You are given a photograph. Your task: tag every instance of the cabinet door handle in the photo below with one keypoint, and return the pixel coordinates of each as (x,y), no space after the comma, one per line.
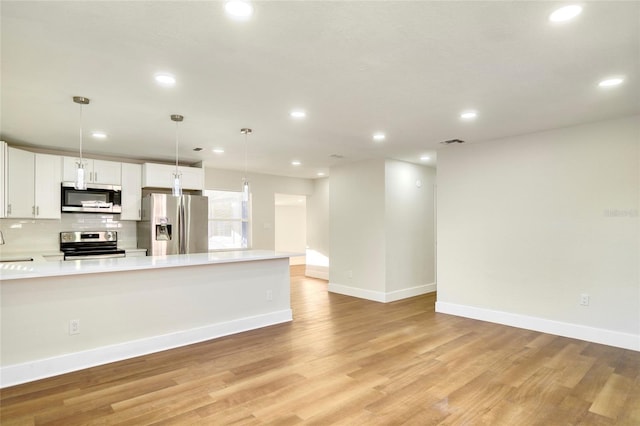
(95,176)
(37,210)
(8,208)
(33,210)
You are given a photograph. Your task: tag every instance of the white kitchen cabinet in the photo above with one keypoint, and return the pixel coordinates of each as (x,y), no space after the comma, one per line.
(33,184)
(161,176)
(131,191)
(48,177)
(3,179)
(20,183)
(96,171)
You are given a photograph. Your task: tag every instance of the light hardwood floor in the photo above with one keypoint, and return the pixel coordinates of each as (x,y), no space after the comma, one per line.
(352,362)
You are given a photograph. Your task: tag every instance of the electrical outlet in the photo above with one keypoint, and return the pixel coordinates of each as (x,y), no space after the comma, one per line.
(74,326)
(269,295)
(584,299)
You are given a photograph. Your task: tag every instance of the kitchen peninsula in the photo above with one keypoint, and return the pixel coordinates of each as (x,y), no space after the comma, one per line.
(58,317)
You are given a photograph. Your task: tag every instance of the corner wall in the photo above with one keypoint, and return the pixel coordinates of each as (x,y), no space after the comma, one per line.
(318,230)
(357,236)
(528,224)
(382,230)
(409,228)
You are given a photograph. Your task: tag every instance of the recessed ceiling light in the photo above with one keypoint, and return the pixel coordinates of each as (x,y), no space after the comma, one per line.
(610,82)
(164,79)
(565,13)
(99,135)
(298,113)
(239,9)
(379,136)
(425,158)
(295,163)
(218,150)
(468,115)
(320,174)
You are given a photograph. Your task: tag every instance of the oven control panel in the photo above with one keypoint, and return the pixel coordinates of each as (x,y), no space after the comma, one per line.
(88,236)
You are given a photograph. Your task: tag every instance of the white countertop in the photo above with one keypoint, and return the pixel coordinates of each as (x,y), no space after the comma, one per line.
(39,269)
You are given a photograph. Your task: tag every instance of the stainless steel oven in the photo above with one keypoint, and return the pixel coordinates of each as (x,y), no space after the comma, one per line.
(80,245)
(96,198)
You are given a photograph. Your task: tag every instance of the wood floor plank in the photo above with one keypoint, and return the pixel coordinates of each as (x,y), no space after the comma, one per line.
(612,397)
(348,361)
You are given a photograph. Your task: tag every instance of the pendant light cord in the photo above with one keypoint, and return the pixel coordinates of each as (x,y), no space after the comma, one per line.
(81,136)
(245,156)
(176,148)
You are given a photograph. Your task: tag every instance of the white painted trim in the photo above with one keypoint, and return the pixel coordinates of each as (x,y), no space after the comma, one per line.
(379,296)
(376,296)
(39,369)
(317,271)
(575,331)
(405,293)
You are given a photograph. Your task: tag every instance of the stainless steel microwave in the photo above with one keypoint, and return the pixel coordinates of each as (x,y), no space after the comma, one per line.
(97,198)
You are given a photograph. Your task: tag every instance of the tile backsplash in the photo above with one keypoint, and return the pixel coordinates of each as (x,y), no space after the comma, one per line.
(43,236)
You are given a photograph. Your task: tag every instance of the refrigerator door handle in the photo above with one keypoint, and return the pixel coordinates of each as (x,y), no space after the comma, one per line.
(182,226)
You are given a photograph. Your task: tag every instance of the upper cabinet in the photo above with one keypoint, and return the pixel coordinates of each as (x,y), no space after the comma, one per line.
(96,171)
(33,185)
(131,191)
(3,179)
(161,176)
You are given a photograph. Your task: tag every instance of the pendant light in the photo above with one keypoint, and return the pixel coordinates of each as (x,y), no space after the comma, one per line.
(245,181)
(80,182)
(177,184)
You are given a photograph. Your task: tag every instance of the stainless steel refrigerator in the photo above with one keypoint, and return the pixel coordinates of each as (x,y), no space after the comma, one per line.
(174,225)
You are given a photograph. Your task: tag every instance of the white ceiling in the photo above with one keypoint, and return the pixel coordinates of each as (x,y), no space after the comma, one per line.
(405,68)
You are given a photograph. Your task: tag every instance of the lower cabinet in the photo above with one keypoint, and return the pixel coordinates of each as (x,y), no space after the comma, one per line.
(135,252)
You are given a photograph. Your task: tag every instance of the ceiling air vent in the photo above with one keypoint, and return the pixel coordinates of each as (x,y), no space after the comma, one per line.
(336,156)
(450,141)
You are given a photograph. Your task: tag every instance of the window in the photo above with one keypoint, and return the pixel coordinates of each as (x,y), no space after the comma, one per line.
(228,220)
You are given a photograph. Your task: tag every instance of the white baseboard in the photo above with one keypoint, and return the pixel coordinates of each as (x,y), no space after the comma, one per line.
(379,296)
(410,292)
(575,331)
(316,271)
(39,369)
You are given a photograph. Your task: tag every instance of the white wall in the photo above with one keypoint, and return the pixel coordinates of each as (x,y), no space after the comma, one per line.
(318,230)
(263,190)
(409,225)
(527,224)
(356,214)
(382,230)
(291,231)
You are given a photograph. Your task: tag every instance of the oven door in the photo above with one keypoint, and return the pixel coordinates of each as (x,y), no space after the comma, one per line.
(94,199)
